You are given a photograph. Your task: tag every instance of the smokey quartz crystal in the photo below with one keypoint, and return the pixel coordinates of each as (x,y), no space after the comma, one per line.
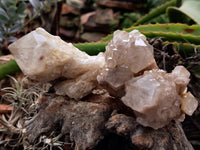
(127,55)
(130,72)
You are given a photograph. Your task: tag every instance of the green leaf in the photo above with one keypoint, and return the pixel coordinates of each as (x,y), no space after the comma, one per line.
(155,12)
(3,13)
(11,2)
(11,39)
(21,8)
(36,4)
(1,37)
(3,4)
(189,10)
(12,11)
(15,28)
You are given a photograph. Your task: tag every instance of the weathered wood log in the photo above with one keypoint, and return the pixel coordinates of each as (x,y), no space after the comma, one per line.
(82,121)
(170,137)
(86,123)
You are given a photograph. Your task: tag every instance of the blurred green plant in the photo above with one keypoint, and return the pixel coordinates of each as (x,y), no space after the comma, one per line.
(40,6)
(151,4)
(128,19)
(12,15)
(188,12)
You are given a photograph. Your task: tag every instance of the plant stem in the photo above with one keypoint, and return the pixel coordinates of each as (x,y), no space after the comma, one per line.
(9,68)
(155,12)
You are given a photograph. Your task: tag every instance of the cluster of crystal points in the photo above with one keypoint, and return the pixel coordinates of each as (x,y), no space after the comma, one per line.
(127,70)
(127,55)
(131,73)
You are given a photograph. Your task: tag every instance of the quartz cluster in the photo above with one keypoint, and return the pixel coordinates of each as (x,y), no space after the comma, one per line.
(157,96)
(127,70)
(131,73)
(127,55)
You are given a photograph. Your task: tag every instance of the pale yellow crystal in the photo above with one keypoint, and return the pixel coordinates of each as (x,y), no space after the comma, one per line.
(189,104)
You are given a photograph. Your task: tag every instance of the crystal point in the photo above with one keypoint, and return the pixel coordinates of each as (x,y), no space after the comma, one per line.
(45,57)
(126,55)
(189,104)
(154,99)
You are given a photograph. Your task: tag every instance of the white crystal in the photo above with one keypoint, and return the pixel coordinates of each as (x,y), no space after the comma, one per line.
(180,76)
(45,57)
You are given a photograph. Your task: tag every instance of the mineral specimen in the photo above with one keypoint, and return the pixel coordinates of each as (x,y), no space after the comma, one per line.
(45,57)
(189,104)
(130,72)
(127,55)
(157,96)
(154,98)
(127,70)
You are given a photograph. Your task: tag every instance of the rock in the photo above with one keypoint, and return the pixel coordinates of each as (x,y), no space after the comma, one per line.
(128,4)
(127,55)
(66,9)
(78,88)
(92,36)
(84,18)
(67,33)
(91,25)
(104,16)
(45,57)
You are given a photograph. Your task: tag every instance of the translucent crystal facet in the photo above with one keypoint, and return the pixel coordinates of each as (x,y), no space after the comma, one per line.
(45,57)
(127,54)
(189,104)
(154,99)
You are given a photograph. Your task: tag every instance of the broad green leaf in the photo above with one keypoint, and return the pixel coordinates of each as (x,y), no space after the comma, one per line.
(11,2)
(3,4)
(3,13)
(36,4)
(3,16)
(2,28)
(12,11)
(189,10)
(11,39)
(15,28)
(21,8)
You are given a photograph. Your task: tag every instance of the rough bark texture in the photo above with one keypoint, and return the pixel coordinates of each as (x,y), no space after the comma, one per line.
(82,121)
(87,123)
(170,137)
